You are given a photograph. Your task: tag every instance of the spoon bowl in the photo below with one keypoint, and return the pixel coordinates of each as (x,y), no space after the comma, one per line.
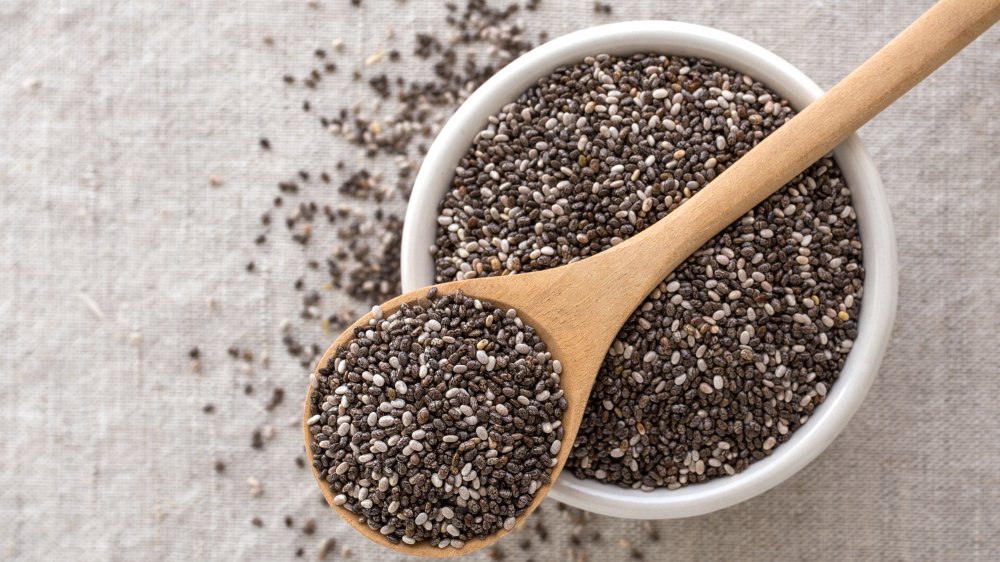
(567,343)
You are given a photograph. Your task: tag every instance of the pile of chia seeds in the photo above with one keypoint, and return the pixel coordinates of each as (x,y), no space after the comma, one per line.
(438,422)
(732,352)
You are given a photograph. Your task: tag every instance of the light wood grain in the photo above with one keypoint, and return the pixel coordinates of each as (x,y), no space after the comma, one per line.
(579,308)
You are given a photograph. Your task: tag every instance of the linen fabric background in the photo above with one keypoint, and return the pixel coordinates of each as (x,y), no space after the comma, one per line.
(114,114)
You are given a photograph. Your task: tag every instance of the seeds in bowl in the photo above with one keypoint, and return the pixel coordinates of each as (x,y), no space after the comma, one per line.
(733,351)
(438,422)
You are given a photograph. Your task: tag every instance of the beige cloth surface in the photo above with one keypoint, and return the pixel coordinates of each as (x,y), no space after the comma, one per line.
(111,242)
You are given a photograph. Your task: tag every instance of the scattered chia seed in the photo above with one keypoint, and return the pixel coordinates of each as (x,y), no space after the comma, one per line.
(732,352)
(327,547)
(541,531)
(424,438)
(653,532)
(277,397)
(255,488)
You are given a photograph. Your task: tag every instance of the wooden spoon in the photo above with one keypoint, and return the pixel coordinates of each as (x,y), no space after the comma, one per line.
(578,309)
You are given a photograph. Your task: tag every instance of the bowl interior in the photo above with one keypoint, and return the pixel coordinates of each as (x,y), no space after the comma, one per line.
(878,304)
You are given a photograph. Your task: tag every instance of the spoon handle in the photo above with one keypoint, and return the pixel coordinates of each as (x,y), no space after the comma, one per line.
(928,42)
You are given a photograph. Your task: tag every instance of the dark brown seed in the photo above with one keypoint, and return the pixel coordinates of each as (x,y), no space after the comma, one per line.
(277,397)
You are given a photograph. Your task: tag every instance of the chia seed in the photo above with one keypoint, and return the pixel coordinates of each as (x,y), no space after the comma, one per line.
(408,431)
(733,351)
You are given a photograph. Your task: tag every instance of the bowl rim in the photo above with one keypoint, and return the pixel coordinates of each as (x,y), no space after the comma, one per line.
(868,197)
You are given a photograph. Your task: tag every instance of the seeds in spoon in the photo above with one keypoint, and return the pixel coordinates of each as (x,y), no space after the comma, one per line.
(424,440)
(731,353)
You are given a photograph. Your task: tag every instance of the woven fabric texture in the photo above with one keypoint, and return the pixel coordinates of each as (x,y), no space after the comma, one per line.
(114,114)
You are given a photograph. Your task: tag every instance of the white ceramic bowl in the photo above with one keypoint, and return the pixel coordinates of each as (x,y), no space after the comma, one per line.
(878,306)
